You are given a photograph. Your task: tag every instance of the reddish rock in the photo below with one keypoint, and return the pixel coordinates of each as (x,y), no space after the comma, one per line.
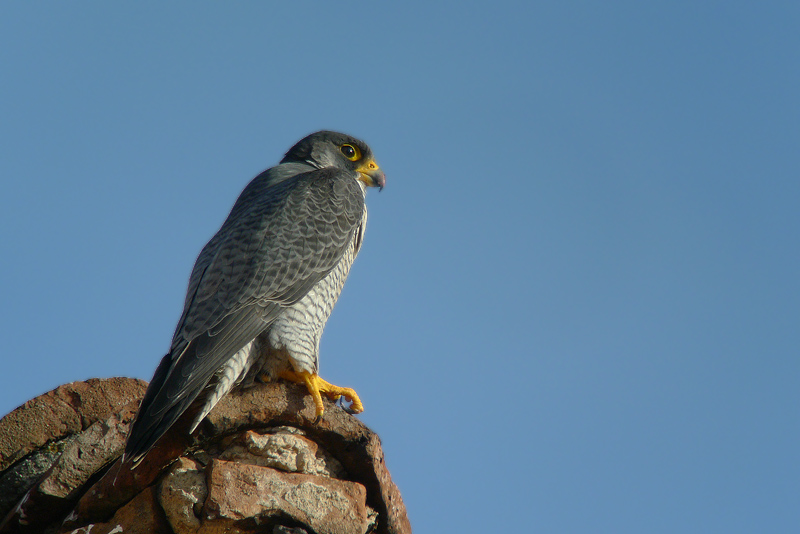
(349,440)
(66,410)
(243,493)
(56,492)
(140,516)
(95,447)
(85,453)
(337,479)
(121,483)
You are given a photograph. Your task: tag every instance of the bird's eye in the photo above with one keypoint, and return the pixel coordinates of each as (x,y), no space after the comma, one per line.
(350,152)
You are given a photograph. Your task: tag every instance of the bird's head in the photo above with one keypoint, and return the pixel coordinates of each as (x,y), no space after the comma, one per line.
(332,149)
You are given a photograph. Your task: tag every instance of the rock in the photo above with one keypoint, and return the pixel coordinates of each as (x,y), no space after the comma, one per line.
(86,454)
(94,448)
(240,492)
(140,516)
(285,451)
(354,445)
(259,463)
(23,475)
(182,493)
(66,410)
(121,483)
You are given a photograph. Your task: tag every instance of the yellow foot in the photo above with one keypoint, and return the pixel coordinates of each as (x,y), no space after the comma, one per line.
(316,386)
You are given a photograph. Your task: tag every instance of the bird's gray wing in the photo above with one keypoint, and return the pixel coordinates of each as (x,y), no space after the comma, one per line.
(277,243)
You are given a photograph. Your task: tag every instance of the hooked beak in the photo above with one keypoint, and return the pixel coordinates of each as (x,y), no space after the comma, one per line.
(372,175)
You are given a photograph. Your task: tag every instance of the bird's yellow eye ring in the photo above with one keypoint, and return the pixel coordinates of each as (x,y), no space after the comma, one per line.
(351,152)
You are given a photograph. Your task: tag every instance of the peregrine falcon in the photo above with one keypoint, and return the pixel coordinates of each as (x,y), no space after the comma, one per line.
(263,287)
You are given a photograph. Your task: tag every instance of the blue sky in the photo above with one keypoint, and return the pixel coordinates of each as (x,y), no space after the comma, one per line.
(576,309)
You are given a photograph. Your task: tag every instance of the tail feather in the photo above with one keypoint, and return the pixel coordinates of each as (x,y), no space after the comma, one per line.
(157,412)
(186,371)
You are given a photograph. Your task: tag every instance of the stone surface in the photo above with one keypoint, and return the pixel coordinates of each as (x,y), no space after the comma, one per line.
(332,476)
(121,483)
(140,516)
(20,477)
(66,410)
(94,448)
(239,492)
(354,445)
(286,451)
(182,493)
(57,490)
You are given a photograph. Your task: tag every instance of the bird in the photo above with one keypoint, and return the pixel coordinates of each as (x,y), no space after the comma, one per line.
(263,287)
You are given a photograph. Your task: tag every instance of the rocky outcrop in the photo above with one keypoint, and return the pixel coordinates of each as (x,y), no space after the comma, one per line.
(258,463)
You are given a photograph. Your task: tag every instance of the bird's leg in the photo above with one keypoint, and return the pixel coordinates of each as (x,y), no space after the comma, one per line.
(316,386)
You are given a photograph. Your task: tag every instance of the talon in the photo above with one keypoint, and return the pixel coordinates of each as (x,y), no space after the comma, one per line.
(316,386)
